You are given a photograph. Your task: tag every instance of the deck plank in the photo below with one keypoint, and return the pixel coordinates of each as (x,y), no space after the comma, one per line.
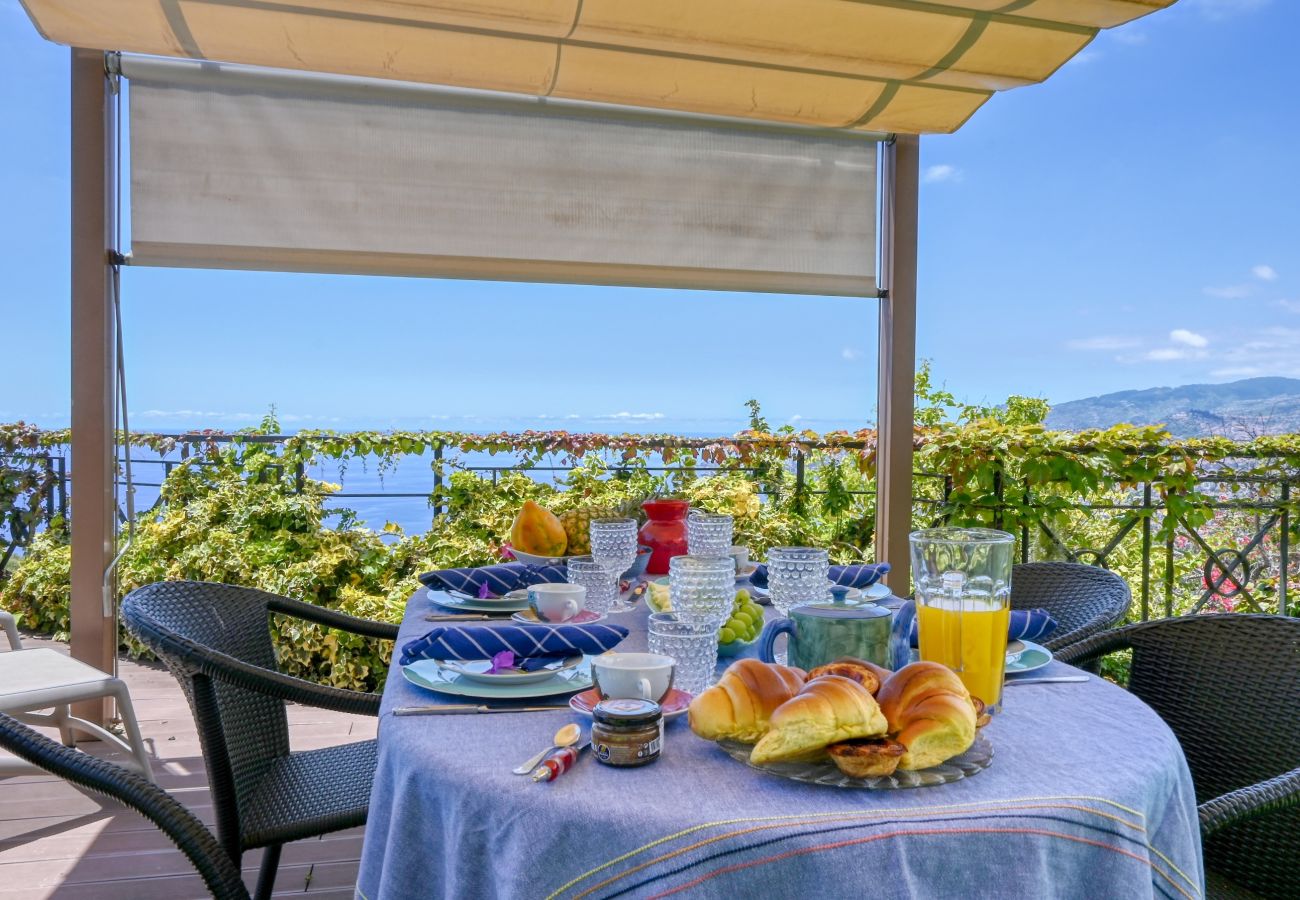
(57,841)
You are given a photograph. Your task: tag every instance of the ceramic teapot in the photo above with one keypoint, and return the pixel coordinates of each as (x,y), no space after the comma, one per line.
(828,630)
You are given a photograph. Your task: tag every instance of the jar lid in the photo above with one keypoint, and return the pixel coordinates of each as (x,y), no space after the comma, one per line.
(626,712)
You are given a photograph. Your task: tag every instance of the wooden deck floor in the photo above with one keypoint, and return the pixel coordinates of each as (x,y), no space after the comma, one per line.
(58,841)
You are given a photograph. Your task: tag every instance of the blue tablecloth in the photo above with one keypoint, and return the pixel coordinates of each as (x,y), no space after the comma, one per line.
(1088,796)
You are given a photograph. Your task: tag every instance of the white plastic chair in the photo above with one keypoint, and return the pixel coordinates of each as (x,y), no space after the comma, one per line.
(42,678)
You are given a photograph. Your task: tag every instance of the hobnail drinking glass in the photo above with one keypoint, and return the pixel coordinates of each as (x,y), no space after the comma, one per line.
(708,534)
(601,585)
(613,545)
(702,588)
(797,575)
(694,648)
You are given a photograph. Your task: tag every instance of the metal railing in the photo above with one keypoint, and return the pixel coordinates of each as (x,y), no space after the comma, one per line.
(1239,559)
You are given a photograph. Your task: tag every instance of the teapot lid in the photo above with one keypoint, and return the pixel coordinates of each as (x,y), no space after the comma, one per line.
(848,609)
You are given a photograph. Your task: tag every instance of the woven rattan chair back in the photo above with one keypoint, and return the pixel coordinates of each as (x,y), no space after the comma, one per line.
(1083,600)
(189,834)
(1229,688)
(243,732)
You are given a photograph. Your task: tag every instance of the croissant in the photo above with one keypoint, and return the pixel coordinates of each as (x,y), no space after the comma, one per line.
(867,674)
(741,704)
(828,710)
(930,712)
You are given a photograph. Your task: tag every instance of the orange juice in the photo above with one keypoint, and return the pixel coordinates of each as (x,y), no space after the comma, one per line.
(969,637)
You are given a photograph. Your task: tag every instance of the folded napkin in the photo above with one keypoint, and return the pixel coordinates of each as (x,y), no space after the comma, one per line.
(857,576)
(1025,624)
(492,581)
(524,641)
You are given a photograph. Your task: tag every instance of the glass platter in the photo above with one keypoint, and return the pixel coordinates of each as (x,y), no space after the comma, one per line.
(974,760)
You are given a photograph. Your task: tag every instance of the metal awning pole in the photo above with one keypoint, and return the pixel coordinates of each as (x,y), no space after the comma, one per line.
(94,636)
(900,183)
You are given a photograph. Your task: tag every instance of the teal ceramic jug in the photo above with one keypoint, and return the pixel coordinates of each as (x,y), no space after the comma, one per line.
(829,630)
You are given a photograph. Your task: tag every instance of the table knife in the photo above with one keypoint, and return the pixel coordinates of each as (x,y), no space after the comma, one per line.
(1054,679)
(463,709)
(462,617)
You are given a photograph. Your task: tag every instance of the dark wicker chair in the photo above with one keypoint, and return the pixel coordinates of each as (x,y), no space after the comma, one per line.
(1228,686)
(215,639)
(1084,600)
(188,834)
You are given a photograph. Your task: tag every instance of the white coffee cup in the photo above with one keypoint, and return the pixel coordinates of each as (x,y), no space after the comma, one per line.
(555,602)
(633,676)
(741,557)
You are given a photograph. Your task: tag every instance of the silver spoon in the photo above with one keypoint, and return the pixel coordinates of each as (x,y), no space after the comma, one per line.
(565,737)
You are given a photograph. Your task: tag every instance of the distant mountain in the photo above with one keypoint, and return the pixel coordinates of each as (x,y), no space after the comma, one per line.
(1240,409)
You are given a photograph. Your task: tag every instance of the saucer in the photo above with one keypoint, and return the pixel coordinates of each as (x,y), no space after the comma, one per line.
(584,617)
(476,670)
(674,705)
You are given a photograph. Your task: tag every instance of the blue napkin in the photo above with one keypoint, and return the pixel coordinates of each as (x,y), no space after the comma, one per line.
(1025,624)
(524,641)
(500,580)
(857,576)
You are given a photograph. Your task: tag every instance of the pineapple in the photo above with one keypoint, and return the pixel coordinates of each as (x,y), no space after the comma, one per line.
(577,525)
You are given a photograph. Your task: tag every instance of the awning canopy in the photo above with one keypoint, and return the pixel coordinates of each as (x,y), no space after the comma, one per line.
(872,65)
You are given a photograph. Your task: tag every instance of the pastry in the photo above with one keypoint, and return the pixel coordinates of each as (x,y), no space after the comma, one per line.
(867,674)
(741,704)
(867,757)
(827,711)
(930,713)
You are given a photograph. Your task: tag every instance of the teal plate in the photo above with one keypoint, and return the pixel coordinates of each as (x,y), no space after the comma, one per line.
(515,601)
(1035,657)
(426,674)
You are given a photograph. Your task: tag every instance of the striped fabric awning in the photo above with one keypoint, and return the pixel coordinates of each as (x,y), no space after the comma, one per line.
(900,66)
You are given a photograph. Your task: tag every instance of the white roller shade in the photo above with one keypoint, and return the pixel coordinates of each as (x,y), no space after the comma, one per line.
(236,167)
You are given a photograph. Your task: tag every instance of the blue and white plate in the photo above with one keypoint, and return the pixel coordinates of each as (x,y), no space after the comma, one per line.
(511,602)
(476,670)
(1034,656)
(427,674)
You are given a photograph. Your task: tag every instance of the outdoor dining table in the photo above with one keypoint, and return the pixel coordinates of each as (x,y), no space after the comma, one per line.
(1088,795)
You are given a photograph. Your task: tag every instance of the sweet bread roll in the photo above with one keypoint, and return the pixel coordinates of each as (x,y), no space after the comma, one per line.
(827,711)
(867,674)
(741,704)
(930,713)
(867,757)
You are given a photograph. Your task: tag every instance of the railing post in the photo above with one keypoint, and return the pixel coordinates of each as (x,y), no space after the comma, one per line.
(998,496)
(798,478)
(1284,551)
(1146,551)
(1024,525)
(299,477)
(437,479)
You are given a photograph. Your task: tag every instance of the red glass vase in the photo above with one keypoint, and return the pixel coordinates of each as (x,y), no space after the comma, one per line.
(664,532)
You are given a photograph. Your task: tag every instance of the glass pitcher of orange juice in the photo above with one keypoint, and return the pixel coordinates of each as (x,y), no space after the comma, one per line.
(963,604)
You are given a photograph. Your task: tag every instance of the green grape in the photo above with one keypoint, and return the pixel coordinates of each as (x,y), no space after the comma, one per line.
(726,635)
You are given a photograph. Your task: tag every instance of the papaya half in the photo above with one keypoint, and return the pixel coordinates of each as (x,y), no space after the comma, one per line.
(538,531)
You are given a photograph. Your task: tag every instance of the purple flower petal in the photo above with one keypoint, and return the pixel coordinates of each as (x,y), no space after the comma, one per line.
(502,661)
(484,593)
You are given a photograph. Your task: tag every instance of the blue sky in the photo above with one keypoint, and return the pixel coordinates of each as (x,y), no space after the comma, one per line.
(1133,222)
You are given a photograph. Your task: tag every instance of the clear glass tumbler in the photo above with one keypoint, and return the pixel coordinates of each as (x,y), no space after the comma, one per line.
(601,585)
(963,603)
(613,545)
(702,588)
(694,648)
(708,534)
(797,575)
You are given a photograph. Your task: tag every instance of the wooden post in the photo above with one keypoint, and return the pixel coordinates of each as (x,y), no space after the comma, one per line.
(94,635)
(900,183)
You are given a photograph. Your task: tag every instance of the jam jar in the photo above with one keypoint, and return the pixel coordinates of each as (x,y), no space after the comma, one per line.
(627,732)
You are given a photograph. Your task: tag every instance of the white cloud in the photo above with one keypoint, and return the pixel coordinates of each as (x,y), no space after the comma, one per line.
(1264,272)
(1103,342)
(1130,37)
(1238,372)
(1087,56)
(1229,292)
(1269,351)
(1188,338)
(1290,305)
(639,416)
(850,353)
(1217,10)
(940,172)
(1167,354)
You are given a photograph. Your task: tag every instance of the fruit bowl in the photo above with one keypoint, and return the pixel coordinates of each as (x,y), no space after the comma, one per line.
(735,648)
(534,560)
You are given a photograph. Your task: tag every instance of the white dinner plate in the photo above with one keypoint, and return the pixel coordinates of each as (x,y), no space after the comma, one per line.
(511,602)
(425,673)
(477,670)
